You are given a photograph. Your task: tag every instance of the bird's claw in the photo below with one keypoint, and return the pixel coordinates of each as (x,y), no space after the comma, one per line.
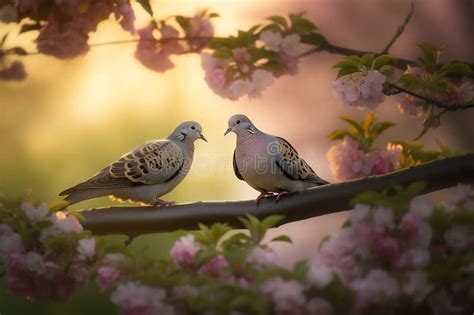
(163,203)
(281,194)
(263,196)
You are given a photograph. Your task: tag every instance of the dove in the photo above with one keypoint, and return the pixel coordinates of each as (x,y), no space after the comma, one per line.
(144,174)
(269,164)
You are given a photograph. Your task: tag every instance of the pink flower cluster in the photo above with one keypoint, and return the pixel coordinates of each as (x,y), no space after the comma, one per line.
(155,53)
(36,272)
(239,76)
(218,74)
(382,256)
(134,298)
(348,161)
(363,90)
(68,23)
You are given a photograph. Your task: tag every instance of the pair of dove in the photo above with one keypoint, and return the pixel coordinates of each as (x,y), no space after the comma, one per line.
(267,163)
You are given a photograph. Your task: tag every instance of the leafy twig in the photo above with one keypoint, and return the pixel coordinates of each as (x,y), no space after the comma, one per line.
(439,104)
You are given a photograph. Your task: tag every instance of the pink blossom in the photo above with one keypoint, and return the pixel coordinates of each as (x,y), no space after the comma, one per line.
(241,87)
(214,266)
(106,275)
(413,258)
(466,92)
(124,14)
(16,72)
(410,225)
(185,290)
(459,237)
(64,42)
(376,288)
(271,40)
(263,256)
(320,275)
(407,104)
(290,65)
(34,214)
(417,286)
(286,295)
(184,250)
(86,248)
(386,247)
(199,26)
(291,45)
(150,52)
(9,241)
(241,55)
(215,79)
(61,223)
(134,298)
(318,306)
(34,262)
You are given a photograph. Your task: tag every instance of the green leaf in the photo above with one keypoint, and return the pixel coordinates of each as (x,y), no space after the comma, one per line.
(340,134)
(301,25)
(380,127)
(57,205)
(272,220)
(430,56)
(3,40)
(223,53)
(367,60)
(253,29)
(282,238)
(347,63)
(214,15)
(29,27)
(457,68)
(357,127)
(346,71)
(382,60)
(146,5)
(367,123)
(301,269)
(279,20)
(313,39)
(182,21)
(431,121)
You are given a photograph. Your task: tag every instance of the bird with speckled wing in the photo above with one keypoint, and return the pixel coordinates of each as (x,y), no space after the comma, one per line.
(146,173)
(269,164)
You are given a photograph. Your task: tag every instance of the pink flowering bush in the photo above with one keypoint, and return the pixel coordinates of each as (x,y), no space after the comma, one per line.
(46,254)
(396,253)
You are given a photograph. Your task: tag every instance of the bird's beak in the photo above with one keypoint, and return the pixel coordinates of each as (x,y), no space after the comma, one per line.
(227,131)
(202,137)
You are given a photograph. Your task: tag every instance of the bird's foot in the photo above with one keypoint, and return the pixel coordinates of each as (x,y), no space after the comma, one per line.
(281,194)
(263,196)
(163,203)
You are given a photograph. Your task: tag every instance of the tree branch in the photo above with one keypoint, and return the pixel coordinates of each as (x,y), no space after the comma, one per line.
(310,203)
(400,29)
(447,107)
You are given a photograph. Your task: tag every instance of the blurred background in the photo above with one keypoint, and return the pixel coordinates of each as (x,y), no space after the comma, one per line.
(71,118)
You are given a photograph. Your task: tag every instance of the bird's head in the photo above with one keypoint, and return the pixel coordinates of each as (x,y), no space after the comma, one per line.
(188,131)
(240,124)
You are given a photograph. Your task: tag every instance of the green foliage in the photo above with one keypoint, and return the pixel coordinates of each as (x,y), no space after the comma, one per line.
(352,64)
(413,153)
(364,132)
(396,197)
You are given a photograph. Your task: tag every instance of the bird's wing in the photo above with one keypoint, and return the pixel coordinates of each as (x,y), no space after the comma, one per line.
(293,166)
(151,163)
(236,169)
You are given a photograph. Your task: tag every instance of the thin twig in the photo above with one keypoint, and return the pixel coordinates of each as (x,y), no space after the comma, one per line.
(448,107)
(400,29)
(306,204)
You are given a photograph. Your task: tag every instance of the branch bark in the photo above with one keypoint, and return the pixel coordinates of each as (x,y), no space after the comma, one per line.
(310,203)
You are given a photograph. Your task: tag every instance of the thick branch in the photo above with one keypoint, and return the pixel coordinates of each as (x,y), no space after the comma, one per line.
(313,202)
(445,106)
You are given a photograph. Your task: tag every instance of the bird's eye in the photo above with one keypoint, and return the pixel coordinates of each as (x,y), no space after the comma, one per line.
(193,128)
(238,121)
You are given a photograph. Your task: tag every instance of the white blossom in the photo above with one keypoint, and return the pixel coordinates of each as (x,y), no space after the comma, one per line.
(383,219)
(272,40)
(241,87)
(290,45)
(86,248)
(417,286)
(34,214)
(377,287)
(320,275)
